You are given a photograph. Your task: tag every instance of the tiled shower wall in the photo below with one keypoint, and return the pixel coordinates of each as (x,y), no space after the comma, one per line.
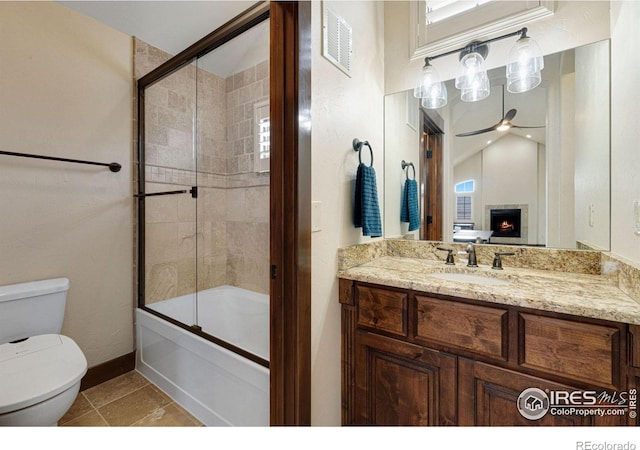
(226,240)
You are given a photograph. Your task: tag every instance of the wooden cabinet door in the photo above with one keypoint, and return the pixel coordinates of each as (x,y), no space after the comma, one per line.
(488,395)
(403,384)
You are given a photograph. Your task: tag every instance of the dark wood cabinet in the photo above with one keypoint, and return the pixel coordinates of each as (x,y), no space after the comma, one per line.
(580,351)
(412,358)
(488,396)
(403,384)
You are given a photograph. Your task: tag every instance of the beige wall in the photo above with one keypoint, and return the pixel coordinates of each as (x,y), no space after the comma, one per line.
(65,90)
(625,133)
(343,108)
(592,137)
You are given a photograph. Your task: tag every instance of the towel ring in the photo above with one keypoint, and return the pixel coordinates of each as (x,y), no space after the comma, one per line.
(405,167)
(357,146)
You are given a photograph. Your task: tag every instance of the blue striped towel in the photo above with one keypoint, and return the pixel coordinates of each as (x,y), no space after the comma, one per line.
(366,212)
(409,207)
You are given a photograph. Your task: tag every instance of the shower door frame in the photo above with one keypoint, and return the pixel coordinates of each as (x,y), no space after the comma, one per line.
(290,198)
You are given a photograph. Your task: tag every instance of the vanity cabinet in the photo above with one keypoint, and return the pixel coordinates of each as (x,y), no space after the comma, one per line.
(399,383)
(413,358)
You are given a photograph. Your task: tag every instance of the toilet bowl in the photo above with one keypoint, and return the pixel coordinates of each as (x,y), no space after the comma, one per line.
(40,379)
(40,369)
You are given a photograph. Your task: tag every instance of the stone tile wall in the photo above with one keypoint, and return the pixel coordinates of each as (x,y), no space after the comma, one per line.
(244,89)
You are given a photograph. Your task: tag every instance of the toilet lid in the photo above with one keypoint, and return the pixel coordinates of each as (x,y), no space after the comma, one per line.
(38,368)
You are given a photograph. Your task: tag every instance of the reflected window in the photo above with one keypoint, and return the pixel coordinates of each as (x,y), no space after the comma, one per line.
(464,205)
(465,187)
(464,201)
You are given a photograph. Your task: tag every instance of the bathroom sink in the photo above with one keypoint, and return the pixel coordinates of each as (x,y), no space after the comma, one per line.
(467,278)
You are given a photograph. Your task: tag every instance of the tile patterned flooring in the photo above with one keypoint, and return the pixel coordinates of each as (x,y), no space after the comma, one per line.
(127,400)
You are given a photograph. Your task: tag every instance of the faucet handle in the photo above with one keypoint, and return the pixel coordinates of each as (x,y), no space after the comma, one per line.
(497,262)
(450,260)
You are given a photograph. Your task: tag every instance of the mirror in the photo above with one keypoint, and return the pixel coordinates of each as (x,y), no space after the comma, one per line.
(546,186)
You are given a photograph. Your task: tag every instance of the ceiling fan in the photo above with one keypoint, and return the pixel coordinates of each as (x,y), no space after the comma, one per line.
(503,125)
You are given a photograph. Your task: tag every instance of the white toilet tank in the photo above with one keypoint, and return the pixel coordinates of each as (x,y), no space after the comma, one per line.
(32,308)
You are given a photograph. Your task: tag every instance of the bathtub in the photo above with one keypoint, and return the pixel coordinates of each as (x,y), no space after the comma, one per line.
(216,385)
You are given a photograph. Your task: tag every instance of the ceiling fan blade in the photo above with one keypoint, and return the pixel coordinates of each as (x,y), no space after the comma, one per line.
(510,115)
(506,120)
(473,133)
(516,126)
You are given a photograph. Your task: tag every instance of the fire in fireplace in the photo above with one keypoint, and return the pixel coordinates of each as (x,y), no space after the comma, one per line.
(505,222)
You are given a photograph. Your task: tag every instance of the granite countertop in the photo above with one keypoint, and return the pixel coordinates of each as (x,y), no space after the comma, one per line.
(569,293)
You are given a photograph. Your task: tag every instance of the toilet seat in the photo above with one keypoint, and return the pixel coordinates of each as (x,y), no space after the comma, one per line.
(38,368)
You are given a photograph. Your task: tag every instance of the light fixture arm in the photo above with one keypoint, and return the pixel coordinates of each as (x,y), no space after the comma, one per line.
(473,46)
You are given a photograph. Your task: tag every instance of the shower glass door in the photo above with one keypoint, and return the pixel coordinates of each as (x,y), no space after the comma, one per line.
(170,208)
(207,153)
(233,143)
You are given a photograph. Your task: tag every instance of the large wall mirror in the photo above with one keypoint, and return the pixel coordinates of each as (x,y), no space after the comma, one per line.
(547,186)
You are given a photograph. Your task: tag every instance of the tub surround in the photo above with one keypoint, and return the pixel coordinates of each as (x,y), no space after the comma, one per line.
(582,283)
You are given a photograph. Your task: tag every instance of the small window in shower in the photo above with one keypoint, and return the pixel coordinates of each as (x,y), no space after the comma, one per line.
(262,136)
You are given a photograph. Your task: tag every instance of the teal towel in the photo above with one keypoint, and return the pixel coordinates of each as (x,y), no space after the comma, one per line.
(366,211)
(409,211)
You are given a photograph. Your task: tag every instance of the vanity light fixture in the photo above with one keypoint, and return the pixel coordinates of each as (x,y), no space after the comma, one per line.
(523,71)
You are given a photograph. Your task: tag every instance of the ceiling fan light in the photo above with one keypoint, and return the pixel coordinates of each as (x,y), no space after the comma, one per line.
(524,66)
(436,96)
(428,78)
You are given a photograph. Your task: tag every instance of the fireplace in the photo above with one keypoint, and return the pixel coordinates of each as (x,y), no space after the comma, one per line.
(506,222)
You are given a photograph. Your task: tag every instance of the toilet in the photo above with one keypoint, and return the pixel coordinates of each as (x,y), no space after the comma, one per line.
(40,369)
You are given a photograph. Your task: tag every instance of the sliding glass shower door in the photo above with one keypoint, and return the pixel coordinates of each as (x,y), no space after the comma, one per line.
(170,210)
(205,207)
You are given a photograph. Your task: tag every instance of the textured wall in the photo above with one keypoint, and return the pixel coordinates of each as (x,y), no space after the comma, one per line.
(343,108)
(66,91)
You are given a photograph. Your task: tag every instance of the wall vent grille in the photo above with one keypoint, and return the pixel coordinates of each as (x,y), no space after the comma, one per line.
(337,40)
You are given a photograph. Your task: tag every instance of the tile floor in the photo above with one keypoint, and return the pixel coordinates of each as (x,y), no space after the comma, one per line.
(127,400)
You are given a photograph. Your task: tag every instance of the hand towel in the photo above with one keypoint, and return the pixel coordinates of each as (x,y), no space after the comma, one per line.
(366,212)
(409,211)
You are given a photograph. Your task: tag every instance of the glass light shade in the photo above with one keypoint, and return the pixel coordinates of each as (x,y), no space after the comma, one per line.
(472,71)
(480,92)
(436,96)
(524,66)
(473,81)
(427,80)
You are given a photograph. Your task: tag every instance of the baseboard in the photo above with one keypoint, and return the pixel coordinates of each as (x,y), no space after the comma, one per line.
(108,370)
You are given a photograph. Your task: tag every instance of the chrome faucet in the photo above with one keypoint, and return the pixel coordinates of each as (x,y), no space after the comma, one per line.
(471,251)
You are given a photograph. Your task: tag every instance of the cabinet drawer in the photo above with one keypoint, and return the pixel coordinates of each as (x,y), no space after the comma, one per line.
(382,309)
(580,351)
(480,329)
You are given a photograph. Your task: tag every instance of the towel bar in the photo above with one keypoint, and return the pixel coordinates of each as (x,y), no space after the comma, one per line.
(114,167)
